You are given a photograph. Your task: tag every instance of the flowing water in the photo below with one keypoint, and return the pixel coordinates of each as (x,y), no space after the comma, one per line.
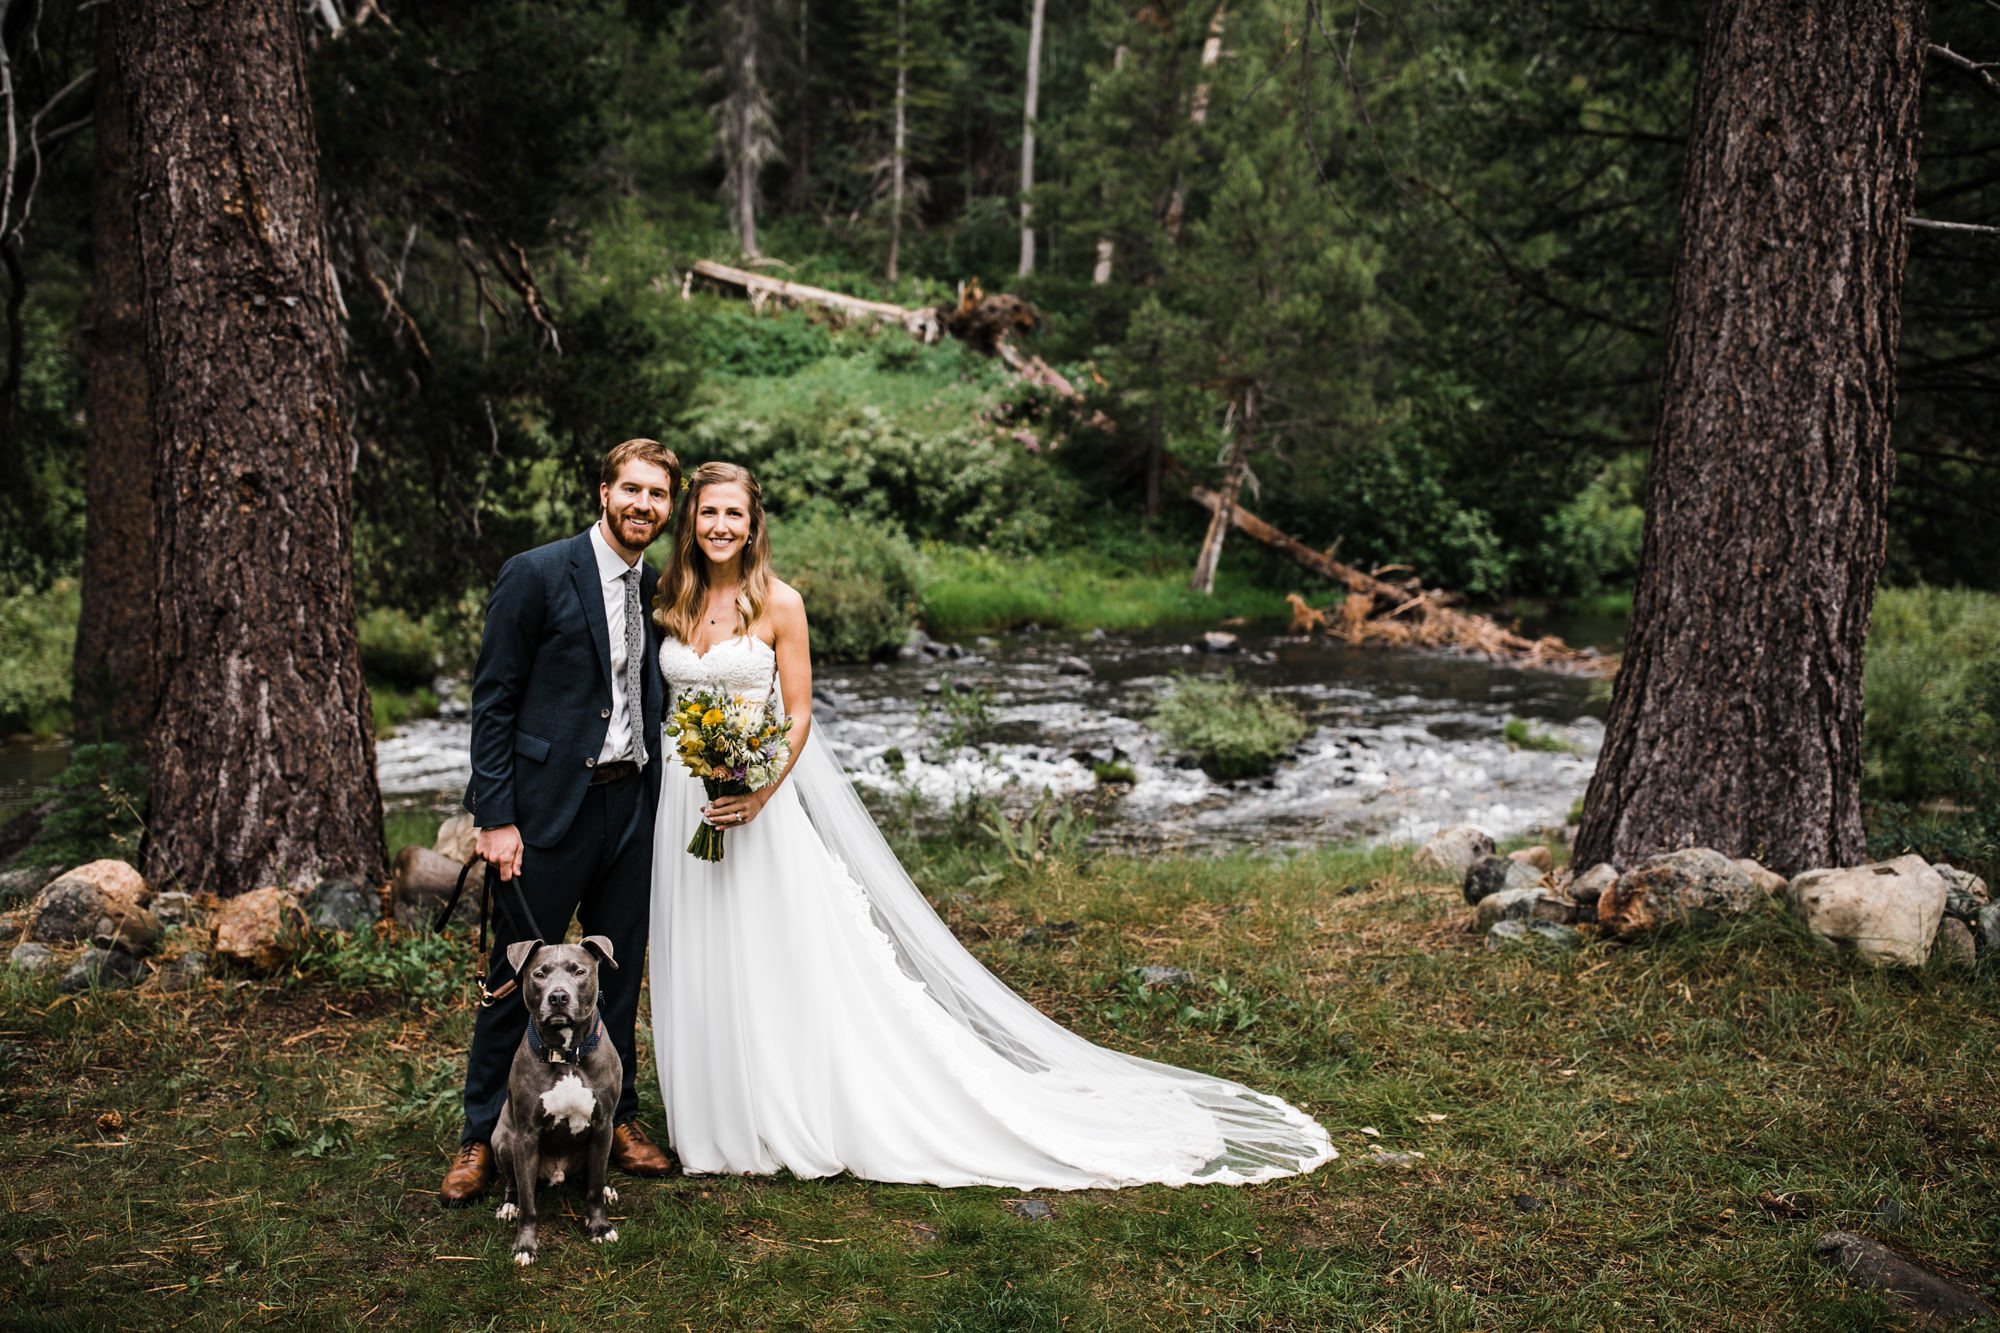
(1402,743)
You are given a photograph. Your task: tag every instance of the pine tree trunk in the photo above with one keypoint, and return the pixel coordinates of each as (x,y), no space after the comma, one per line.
(1028,135)
(113,667)
(896,161)
(1232,485)
(1736,722)
(1211,54)
(263,759)
(749,94)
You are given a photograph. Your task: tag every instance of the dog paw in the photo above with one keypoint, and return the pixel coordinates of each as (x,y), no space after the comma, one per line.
(524,1257)
(506,1212)
(610,1233)
(610,1195)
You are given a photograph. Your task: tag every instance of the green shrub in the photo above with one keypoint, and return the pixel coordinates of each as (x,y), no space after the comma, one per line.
(859,581)
(393,707)
(1520,736)
(1231,730)
(100,809)
(734,340)
(1962,752)
(37,640)
(1924,648)
(398,649)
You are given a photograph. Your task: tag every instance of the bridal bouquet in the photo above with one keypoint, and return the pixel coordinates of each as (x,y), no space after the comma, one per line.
(734,746)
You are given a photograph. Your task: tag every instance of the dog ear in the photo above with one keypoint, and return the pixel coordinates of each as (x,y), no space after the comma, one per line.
(600,946)
(518,954)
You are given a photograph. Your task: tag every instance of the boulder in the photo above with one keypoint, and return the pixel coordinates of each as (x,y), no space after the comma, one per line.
(1490,874)
(1072,666)
(1987,935)
(1887,912)
(103,969)
(1686,887)
(183,971)
(423,879)
(456,837)
(1533,903)
(1218,641)
(1453,850)
(68,909)
(133,931)
(1964,892)
(25,881)
(342,905)
(1954,943)
(30,956)
(1588,887)
(258,930)
(1770,881)
(1540,859)
(1872,1264)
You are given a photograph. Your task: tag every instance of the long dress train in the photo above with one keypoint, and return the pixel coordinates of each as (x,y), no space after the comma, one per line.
(811,1013)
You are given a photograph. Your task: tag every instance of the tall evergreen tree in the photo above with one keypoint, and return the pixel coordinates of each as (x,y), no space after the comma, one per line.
(1736,722)
(263,755)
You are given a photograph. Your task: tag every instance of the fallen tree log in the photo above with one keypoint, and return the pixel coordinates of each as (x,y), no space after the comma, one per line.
(1405,615)
(921,322)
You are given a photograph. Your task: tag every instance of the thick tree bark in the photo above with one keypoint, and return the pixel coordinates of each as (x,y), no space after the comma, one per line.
(113,667)
(263,759)
(1028,134)
(1736,722)
(1210,557)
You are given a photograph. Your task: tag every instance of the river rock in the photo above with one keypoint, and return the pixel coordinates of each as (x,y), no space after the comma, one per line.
(1540,859)
(1987,936)
(1873,1264)
(1533,903)
(1490,874)
(1954,942)
(1588,887)
(1453,850)
(68,909)
(258,930)
(103,969)
(1165,976)
(133,931)
(456,838)
(1887,912)
(1218,641)
(1072,666)
(1964,892)
(1684,887)
(183,970)
(30,956)
(342,905)
(1769,881)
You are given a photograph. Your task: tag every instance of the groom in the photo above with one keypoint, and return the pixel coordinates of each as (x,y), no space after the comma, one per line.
(566,777)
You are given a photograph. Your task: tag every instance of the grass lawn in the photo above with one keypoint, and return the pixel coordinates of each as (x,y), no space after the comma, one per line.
(1596,1130)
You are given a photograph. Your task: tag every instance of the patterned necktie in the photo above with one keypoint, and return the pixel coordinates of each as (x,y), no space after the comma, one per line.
(635,669)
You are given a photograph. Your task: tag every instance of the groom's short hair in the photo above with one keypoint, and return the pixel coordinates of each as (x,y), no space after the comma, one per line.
(645,451)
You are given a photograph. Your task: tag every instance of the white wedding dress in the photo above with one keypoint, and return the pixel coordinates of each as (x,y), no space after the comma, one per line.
(812,1014)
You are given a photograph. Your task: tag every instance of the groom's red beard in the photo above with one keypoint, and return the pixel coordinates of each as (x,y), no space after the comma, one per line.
(634,532)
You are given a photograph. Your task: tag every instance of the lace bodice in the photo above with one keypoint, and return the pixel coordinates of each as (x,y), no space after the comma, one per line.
(742,665)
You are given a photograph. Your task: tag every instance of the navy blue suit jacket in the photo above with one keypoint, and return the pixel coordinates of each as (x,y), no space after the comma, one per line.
(541,694)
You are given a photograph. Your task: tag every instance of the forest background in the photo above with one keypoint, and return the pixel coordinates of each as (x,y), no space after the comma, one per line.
(1438,238)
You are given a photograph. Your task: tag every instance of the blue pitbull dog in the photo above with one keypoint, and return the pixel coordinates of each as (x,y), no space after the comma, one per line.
(562,1089)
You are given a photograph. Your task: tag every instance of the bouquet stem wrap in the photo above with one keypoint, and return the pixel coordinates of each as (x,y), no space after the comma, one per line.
(707,842)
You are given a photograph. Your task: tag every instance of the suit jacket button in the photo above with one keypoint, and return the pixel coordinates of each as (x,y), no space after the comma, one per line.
(604,712)
(590,763)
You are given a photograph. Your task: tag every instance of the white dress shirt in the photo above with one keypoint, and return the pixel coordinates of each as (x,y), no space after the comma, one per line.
(611,569)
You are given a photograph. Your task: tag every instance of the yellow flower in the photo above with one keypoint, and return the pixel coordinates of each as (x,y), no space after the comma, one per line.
(712,718)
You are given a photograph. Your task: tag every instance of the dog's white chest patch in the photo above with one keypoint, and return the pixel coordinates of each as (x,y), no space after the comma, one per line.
(569,1101)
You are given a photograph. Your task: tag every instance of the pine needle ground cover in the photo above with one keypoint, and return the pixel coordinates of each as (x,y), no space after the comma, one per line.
(1596,1131)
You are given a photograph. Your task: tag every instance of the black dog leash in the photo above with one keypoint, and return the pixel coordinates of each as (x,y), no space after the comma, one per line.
(523,926)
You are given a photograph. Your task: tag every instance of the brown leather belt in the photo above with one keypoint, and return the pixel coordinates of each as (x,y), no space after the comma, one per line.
(616,771)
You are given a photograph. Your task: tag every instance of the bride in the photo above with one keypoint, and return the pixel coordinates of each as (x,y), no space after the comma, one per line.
(811,1013)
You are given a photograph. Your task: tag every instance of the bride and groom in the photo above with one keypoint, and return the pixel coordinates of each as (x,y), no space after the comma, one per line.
(810,1011)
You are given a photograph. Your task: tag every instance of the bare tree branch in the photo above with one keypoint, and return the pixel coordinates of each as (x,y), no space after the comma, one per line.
(1974,69)
(1963,228)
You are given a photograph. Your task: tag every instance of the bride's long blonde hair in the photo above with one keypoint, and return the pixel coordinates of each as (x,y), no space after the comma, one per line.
(683,593)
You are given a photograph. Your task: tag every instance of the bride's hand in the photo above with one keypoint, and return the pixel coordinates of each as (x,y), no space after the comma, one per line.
(728,812)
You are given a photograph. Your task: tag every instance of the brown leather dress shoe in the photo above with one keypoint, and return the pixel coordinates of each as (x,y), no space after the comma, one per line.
(471,1175)
(635,1154)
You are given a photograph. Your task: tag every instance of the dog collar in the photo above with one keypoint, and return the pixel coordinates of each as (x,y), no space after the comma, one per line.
(558,1055)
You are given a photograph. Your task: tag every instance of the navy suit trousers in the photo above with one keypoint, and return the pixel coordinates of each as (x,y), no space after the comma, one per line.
(602,873)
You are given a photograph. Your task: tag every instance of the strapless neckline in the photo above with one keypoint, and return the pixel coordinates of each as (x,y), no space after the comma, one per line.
(721,644)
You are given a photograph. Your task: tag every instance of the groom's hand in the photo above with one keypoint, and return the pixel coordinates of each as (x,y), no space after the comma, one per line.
(501,849)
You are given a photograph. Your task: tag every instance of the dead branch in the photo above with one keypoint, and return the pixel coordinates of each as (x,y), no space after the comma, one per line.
(1976,70)
(920,322)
